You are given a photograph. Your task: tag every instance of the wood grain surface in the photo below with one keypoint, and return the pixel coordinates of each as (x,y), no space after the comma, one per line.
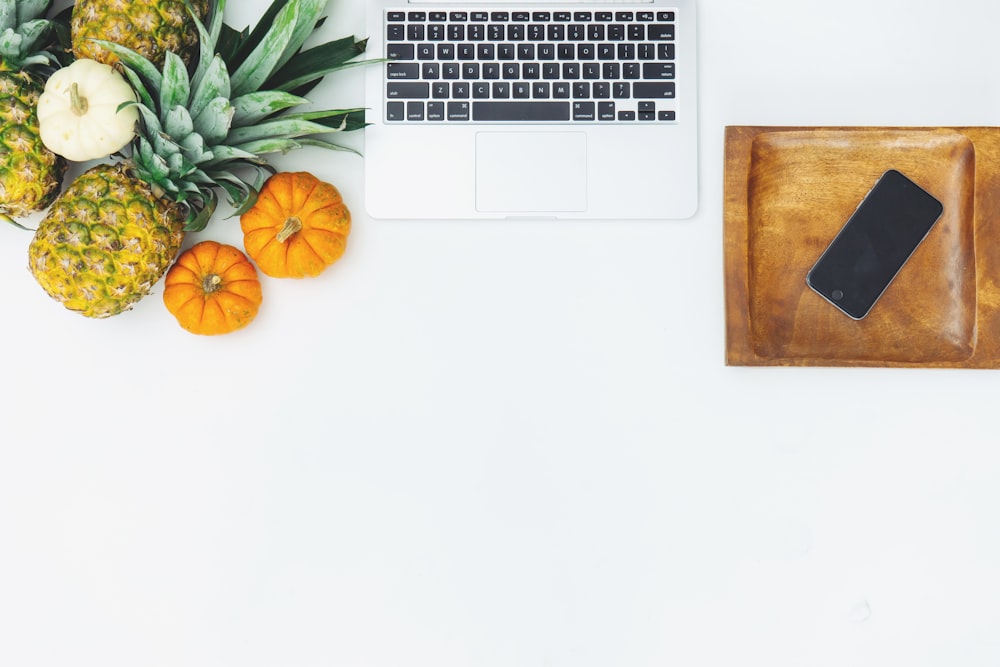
(788,191)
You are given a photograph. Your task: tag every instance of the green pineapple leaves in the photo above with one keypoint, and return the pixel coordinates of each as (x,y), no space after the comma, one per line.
(206,129)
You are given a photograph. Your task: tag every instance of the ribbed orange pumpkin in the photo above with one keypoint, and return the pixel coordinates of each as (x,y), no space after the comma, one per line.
(297,227)
(212,289)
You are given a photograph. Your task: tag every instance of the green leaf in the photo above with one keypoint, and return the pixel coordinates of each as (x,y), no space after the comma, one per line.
(251,39)
(317,62)
(207,38)
(254,107)
(177,123)
(213,123)
(309,14)
(270,145)
(28,10)
(259,65)
(199,216)
(278,127)
(176,87)
(214,83)
(142,66)
(8,14)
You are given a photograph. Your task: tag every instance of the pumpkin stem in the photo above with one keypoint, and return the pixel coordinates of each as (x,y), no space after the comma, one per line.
(292,225)
(211,283)
(78,102)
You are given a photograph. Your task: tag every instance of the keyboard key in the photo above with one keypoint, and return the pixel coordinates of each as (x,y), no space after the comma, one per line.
(653,91)
(402,70)
(521,111)
(395,111)
(407,90)
(659,32)
(606,111)
(458,111)
(657,70)
(414,111)
(584,111)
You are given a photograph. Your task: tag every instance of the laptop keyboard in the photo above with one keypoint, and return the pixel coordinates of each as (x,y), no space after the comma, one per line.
(592,66)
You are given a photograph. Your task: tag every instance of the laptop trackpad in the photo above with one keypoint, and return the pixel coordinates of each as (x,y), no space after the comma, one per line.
(531,171)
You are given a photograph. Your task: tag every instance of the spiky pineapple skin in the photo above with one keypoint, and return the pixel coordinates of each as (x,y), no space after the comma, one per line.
(30,174)
(105,242)
(149,27)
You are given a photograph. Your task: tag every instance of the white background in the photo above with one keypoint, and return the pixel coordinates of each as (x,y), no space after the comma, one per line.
(514,444)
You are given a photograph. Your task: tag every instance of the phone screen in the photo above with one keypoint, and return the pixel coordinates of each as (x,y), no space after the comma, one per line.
(871,248)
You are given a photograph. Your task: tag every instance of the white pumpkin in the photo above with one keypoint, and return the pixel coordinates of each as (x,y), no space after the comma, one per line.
(78,114)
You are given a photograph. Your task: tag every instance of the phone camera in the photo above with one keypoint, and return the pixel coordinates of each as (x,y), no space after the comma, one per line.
(837,294)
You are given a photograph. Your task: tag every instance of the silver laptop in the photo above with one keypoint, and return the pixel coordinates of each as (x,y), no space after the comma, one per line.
(574,110)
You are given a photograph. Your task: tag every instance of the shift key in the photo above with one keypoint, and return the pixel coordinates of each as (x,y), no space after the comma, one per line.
(653,90)
(410,90)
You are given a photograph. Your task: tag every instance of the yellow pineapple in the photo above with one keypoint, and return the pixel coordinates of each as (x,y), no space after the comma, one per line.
(113,233)
(148,27)
(30,174)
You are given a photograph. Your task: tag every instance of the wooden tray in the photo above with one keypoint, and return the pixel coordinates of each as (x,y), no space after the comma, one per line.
(788,192)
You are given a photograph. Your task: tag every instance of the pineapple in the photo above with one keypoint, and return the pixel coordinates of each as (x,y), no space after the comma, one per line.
(30,174)
(113,233)
(149,27)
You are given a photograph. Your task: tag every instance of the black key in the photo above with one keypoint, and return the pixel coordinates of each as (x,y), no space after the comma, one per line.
(653,91)
(456,33)
(425,51)
(500,16)
(399,52)
(623,16)
(466,52)
(521,90)
(505,51)
(657,70)
(550,71)
(665,51)
(436,32)
(460,90)
(536,32)
(602,90)
(665,16)
(595,32)
(521,16)
(584,111)
(451,71)
(458,111)
(626,115)
(439,16)
(631,71)
(620,91)
(661,32)
(585,52)
(616,32)
(581,90)
(521,111)
(541,16)
(441,91)
(512,71)
(458,16)
(668,115)
(396,16)
(647,115)
(515,32)
(402,71)
(591,71)
(491,71)
(395,33)
(414,111)
(476,32)
(480,16)
(576,32)
(481,90)
(606,111)
(446,52)
(395,111)
(636,32)
(415,32)
(561,90)
(418,16)
(556,32)
(407,90)
(541,90)
(496,32)
(644,16)
(604,16)
(646,107)
(501,90)
(583,16)
(562,16)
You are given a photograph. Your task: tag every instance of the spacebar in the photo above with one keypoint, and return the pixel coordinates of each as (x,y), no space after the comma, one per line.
(529,111)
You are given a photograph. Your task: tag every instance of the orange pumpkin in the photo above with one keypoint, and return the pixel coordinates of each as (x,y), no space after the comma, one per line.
(212,289)
(297,227)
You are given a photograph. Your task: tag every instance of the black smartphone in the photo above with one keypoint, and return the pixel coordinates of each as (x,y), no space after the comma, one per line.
(875,242)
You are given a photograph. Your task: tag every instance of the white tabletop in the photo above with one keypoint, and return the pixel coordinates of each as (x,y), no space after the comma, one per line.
(514,444)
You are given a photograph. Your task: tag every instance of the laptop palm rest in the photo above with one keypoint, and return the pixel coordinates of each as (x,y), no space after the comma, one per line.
(526,172)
